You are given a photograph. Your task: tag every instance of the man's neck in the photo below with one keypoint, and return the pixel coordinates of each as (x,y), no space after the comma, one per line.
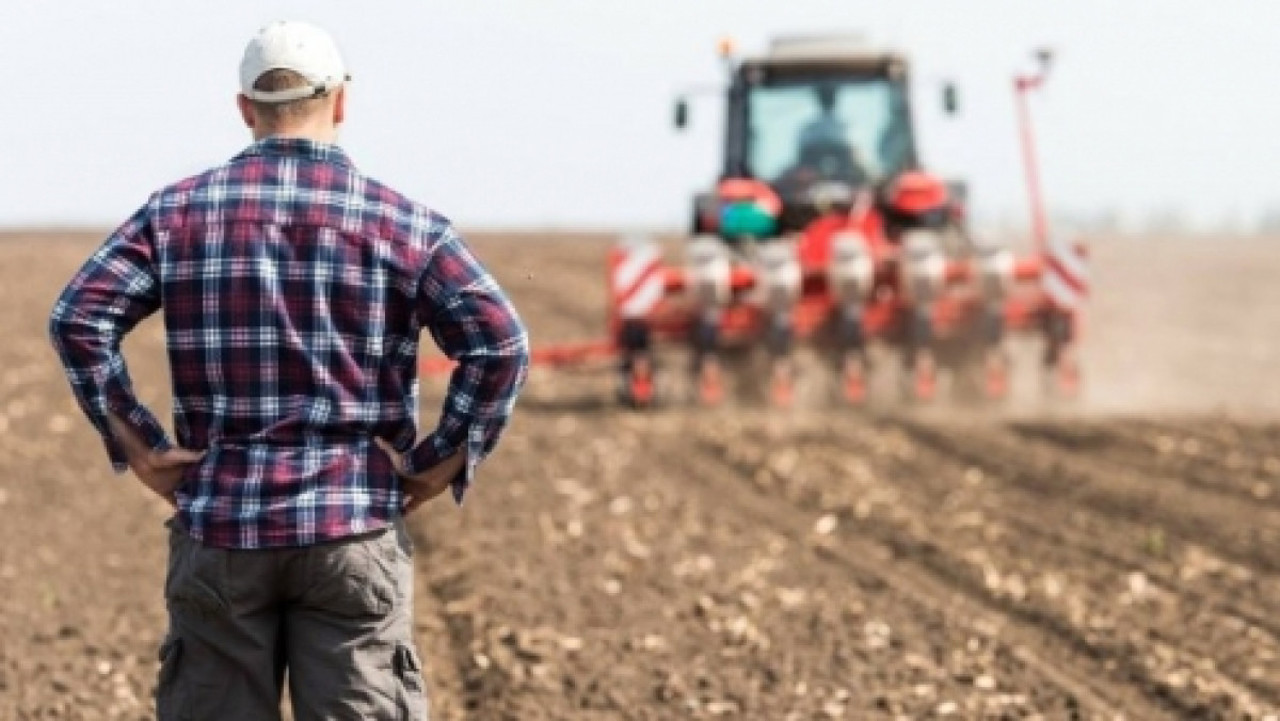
(315,135)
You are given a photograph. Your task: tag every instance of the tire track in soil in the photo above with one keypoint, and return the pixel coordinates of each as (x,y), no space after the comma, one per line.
(1136,448)
(1046,545)
(1176,454)
(1030,520)
(925,582)
(908,547)
(1132,497)
(926,592)
(1207,601)
(931,555)
(1257,441)
(1245,579)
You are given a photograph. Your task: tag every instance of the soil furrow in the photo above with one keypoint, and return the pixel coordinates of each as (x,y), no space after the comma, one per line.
(1075,477)
(1110,545)
(1176,456)
(920,537)
(933,580)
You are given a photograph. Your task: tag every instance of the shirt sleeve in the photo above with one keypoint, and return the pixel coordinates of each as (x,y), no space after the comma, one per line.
(475,325)
(114,290)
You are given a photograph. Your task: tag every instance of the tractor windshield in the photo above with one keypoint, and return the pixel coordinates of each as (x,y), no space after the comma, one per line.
(804,130)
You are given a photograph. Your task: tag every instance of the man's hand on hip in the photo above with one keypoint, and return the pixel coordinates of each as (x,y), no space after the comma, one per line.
(420,488)
(160,471)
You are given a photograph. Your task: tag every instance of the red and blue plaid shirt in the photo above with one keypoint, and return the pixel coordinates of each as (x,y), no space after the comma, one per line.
(294,290)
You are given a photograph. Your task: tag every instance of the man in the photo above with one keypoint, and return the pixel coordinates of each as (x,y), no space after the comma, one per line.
(823,152)
(294,290)
(826,127)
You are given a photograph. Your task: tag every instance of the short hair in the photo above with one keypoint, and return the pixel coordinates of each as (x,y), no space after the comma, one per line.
(277,113)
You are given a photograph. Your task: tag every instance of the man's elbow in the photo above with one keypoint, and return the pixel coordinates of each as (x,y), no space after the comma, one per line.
(60,325)
(70,328)
(518,359)
(521,345)
(513,337)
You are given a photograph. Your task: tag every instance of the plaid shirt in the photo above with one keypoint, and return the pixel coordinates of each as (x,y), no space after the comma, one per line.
(294,290)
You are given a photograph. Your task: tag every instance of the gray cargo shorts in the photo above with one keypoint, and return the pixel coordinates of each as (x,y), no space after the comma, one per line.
(337,617)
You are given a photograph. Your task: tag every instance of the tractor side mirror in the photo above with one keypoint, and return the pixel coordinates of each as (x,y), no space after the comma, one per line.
(950,99)
(682,114)
(1044,59)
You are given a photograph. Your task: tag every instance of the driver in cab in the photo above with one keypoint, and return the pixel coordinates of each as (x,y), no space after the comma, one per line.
(824,150)
(827,127)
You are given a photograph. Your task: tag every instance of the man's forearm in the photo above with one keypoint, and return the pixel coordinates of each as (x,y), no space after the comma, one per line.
(131,442)
(471,436)
(100,382)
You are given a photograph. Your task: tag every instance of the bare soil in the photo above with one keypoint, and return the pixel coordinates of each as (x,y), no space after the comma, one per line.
(1119,558)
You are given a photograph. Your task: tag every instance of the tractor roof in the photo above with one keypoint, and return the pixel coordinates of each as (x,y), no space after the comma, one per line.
(851,51)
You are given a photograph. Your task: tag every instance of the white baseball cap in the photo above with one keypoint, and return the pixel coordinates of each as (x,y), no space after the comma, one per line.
(292,45)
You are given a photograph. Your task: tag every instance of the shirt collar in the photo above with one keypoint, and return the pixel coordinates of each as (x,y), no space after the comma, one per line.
(297,148)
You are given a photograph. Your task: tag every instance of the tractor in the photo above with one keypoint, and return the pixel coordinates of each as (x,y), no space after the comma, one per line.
(824,231)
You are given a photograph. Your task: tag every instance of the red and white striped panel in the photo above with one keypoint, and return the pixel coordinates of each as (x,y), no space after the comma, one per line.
(636,281)
(1066,274)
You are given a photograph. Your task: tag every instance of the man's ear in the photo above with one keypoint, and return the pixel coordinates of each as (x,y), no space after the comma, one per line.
(246,111)
(340,106)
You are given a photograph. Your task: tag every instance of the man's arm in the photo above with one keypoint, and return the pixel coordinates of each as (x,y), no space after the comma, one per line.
(114,290)
(160,471)
(474,324)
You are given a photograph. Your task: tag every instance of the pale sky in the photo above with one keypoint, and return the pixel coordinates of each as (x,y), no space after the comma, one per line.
(556,113)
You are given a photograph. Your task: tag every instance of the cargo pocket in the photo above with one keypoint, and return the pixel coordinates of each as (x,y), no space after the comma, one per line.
(168,699)
(412,696)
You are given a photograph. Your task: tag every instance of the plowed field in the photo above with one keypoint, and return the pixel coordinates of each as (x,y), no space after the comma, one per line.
(1115,559)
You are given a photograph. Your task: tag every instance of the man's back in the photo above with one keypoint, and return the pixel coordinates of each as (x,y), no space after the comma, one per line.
(293,291)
